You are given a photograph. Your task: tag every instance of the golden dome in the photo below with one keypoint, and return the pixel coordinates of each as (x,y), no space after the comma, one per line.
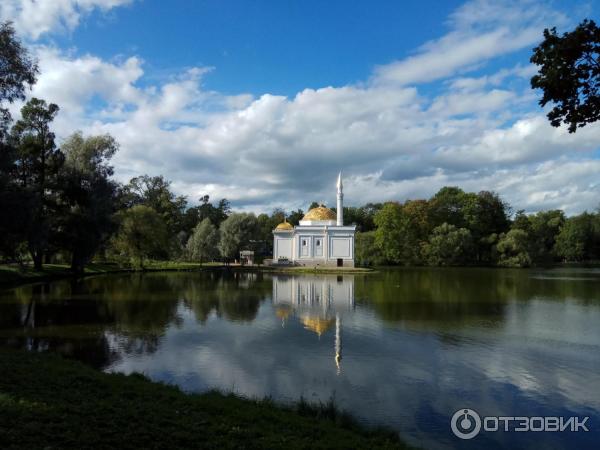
(320,213)
(284,226)
(317,324)
(283,312)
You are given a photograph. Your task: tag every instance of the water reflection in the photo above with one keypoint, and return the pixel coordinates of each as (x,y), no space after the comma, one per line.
(320,303)
(404,348)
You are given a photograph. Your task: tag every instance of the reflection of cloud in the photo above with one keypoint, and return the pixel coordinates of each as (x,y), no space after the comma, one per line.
(397,373)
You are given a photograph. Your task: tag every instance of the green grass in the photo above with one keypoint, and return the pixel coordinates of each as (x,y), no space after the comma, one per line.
(50,402)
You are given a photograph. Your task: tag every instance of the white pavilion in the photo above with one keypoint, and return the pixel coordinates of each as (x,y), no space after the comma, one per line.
(321,238)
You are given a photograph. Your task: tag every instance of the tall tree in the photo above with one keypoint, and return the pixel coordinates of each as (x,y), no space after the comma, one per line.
(89,196)
(142,234)
(202,244)
(37,164)
(236,233)
(569,75)
(17,71)
(155,192)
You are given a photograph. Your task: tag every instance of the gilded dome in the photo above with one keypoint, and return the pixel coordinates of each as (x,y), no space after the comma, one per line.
(284,226)
(317,324)
(320,213)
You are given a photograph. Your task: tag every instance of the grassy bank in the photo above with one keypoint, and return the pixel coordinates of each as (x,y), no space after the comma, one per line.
(50,402)
(13,274)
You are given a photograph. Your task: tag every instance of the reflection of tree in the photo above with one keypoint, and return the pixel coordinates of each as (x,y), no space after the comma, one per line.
(73,326)
(454,295)
(143,305)
(232,295)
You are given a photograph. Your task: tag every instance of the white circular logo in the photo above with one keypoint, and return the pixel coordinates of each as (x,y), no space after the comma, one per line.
(466,423)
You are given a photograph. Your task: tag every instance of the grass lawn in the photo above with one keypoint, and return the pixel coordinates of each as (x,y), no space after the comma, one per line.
(50,402)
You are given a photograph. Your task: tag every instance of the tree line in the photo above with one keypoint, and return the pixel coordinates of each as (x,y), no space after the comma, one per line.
(61,203)
(454,227)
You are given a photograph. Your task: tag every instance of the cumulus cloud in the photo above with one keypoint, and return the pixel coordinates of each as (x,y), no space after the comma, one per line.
(392,140)
(479,31)
(33,18)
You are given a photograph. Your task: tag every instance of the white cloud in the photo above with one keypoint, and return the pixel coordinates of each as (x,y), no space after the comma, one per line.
(392,140)
(33,18)
(479,30)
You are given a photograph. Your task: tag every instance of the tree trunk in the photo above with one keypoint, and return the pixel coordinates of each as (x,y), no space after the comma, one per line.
(37,260)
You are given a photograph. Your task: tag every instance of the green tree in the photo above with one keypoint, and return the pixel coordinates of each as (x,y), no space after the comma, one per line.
(142,234)
(17,71)
(446,206)
(579,238)
(366,252)
(155,192)
(202,244)
(544,226)
(295,217)
(236,232)
(38,162)
(569,75)
(512,249)
(396,235)
(448,246)
(89,196)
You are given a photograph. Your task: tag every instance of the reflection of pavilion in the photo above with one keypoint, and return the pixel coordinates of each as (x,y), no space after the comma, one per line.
(318,301)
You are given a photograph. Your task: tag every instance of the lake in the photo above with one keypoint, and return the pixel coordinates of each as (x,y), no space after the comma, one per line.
(405,348)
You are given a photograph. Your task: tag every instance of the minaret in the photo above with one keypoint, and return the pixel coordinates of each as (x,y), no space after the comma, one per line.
(340,201)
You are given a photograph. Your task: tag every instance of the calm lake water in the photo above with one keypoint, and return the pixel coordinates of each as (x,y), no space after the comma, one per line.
(405,348)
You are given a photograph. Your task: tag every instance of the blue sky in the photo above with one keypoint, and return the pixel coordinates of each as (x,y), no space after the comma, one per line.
(263,102)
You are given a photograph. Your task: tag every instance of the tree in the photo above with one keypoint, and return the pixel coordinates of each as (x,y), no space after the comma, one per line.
(396,235)
(235,233)
(36,168)
(579,238)
(155,192)
(446,206)
(202,244)
(512,249)
(544,226)
(17,71)
(142,234)
(569,75)
(89,196)
(366,252)
(448,246)
(295,217)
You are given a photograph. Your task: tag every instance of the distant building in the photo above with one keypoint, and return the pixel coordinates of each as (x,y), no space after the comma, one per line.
(247,257)
(321,238)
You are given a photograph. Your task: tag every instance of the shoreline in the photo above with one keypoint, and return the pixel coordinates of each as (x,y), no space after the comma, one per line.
(72,405)
(13,275)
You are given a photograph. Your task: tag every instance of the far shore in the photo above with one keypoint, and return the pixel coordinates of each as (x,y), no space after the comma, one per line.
(14,275)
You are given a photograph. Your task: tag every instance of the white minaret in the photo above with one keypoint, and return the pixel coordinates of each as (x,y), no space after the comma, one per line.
(340,201)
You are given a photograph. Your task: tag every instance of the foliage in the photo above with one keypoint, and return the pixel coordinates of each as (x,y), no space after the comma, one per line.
(569,75)
(18,71)
(142,234)
(89,196)
(395,235)
(448,246)
(512,249)
(36,169)
(236,233)
(202,244)
(579,238)
(366,252)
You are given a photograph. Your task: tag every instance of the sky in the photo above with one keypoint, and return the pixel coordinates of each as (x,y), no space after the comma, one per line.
(264,102)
